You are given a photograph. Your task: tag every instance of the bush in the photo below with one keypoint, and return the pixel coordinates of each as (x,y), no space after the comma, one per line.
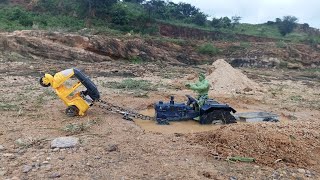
(287,24)
(131,84)
(136,60)
(208,49)
(281,44)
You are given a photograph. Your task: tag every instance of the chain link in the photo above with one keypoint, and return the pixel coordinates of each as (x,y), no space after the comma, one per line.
(128,114)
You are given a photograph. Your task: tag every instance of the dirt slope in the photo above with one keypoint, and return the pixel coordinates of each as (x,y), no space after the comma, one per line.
(98,48)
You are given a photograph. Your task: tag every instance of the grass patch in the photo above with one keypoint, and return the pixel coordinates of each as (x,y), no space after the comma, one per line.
(9,107)
(131,84)
(78,128)
(281,44)
(296,98)
(208,49)
(136,60)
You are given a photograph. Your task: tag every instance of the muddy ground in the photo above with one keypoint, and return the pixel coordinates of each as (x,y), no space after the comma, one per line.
(112,148)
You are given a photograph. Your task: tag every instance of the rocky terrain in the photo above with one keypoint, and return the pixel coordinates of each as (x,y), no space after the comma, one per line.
(38,141)
(98,48)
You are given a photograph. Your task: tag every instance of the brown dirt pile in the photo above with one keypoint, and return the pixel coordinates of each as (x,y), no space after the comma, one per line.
(270,144)
(225,79)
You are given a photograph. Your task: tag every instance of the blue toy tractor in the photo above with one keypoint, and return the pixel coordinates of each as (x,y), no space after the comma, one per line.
(210,112)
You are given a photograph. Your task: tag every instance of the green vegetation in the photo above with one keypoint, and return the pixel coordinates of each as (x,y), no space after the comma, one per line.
(131,84)
(136,60)
(281,44)
(208,49)
(78,128)
(139,16)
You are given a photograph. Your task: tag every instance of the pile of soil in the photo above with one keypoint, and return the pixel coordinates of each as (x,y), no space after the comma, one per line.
(225,79)
(297,145)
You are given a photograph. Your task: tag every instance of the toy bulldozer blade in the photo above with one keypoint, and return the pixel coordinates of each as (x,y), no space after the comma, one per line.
(77,103)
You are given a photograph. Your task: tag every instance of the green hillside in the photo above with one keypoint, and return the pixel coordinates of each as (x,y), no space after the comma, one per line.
(138,16)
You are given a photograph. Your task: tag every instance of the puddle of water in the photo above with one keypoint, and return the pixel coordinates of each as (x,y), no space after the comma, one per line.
(183,127)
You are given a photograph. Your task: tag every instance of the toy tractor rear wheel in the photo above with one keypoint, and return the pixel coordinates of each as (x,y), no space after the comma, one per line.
(42,84)
(222,115)
(72,111)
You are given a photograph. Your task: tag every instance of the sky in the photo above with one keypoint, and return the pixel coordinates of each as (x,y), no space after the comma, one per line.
(261,11)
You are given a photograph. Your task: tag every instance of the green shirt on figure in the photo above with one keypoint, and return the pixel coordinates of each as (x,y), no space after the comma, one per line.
(201,87)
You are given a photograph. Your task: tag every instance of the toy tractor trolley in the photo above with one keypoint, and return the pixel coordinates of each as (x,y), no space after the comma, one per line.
(77,103)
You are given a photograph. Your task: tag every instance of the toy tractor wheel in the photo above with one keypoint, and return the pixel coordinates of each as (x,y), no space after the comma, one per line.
(224,116)
(72,111)
(42,84)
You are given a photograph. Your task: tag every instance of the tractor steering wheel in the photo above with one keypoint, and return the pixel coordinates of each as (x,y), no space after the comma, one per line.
(191,100)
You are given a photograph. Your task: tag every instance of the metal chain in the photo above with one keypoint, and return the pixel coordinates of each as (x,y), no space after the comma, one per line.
(128,114)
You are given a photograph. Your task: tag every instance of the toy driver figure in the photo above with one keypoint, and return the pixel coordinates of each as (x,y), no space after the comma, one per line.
(201,87)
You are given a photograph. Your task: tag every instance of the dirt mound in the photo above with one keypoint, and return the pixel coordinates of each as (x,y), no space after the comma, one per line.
(269,144)
(225,79)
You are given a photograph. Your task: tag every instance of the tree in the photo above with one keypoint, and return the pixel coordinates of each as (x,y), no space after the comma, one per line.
(156,8)
(200,19)
(225,22)
(287,24)
(94,7)
(235,20)
(216,23)
(134,1)
(305,27)
(187,10)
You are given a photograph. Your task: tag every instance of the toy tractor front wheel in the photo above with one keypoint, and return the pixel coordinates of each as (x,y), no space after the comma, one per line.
(42,84)
(72,111)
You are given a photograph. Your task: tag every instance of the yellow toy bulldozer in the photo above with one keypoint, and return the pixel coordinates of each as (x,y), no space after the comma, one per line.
(77,103)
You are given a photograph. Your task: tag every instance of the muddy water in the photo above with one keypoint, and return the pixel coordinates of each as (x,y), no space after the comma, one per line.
(183,127)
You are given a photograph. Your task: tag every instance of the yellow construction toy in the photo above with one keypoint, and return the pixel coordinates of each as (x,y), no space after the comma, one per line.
(78,103)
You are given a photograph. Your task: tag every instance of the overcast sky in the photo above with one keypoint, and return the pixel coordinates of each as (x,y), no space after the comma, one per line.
(260,11)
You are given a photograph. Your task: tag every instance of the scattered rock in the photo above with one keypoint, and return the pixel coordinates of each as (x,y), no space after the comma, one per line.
(2,148)
(64,142)
(26,168)
(45,162)
(55,175)
(301,171)
(8,155)
(2,173)
(112,147)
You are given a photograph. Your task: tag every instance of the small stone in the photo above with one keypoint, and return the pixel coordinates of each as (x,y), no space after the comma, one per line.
(54,175)
(301,171)
(48,167)
(64,142)
(14,164)
(8,155)
(45,162)
(97,157)
(233,178)
(55,150)
(61,158)
(48,158)
(26,168)
(2,148)
(112,147)
(2,173)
